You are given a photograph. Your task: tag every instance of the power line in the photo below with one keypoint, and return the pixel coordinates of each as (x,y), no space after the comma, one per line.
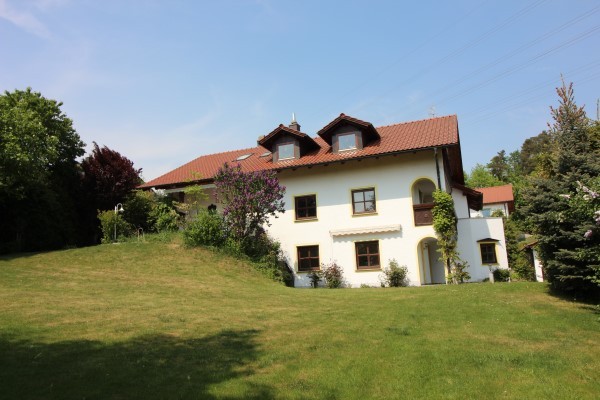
(511,54)
(459,51)
(523,65)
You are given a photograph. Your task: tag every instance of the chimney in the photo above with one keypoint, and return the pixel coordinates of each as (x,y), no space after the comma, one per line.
(294,124)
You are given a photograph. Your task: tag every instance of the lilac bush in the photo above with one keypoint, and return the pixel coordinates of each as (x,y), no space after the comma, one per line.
(248,199)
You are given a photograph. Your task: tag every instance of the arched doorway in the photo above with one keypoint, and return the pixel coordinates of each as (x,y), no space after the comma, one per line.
(431,268)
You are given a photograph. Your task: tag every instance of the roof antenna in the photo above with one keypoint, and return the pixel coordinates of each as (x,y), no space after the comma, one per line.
(432,112)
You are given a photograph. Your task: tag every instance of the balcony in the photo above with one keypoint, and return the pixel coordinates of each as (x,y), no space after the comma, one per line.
(423,214)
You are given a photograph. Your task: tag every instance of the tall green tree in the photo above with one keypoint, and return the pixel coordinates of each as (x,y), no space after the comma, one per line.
(480,177)
(574,158)
(39,174)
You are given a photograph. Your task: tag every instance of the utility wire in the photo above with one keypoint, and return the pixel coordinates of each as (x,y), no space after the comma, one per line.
(511,54)
(459,51)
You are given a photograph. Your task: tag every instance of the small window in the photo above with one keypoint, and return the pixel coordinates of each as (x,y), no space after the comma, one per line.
(347,142)
(486,212)
(286,151)
(363,201)
(367,255)
(306,207)
(308,258)
(240,158)
(488,253)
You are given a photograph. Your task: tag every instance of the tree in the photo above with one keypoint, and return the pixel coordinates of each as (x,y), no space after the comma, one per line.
(534,152)
(574,160)
(498,166)
(249,200)
(109,177)
(39,175)
(480,177)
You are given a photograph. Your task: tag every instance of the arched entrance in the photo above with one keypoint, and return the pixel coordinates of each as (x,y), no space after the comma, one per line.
(431,268)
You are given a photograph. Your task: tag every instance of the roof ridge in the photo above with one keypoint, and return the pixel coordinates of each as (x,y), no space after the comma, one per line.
(417,120)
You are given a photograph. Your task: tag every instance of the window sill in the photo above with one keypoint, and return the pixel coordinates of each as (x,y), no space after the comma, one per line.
(365,214)
(491,265)
(368,269)
(308,272)
(306,220)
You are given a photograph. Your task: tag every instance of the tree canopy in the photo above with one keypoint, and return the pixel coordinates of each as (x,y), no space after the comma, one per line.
(570,261)
(39,174)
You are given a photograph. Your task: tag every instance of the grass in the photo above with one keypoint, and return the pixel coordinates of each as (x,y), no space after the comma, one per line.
(156,321)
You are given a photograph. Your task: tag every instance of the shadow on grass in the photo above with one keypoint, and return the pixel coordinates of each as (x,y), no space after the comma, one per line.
(161,367)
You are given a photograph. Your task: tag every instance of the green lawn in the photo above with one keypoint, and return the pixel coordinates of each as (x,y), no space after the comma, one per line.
(155,320)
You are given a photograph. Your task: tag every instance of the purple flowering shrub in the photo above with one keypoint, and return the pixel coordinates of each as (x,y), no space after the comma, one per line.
(249,199)
(584,209)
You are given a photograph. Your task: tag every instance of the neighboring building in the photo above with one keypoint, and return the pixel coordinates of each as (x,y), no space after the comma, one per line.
(530,250)
(495,198)
(362,196)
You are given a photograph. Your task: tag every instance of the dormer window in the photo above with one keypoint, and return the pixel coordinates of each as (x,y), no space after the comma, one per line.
(347,141)
(285,151)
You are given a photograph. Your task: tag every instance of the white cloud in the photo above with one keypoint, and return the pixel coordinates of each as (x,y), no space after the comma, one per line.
(24,20)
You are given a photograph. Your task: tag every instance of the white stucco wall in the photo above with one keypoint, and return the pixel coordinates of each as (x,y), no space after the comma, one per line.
(392,178)
(473,229)
(537,264)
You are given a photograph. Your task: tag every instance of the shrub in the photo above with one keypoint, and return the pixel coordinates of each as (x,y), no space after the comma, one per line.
(315,278)
(108,220)
(459,272)
(207,229)
(501,275)
(163,217)
(333,275)
(395,275)
(138,207)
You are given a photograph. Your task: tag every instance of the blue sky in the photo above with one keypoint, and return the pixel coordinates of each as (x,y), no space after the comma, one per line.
(163,82)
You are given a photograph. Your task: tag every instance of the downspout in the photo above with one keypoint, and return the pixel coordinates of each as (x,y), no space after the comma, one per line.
(437,167)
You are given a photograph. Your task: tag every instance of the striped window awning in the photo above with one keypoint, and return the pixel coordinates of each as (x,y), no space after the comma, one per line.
(366,230)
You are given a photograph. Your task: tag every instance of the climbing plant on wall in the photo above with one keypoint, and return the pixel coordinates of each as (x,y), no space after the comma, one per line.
(444,224)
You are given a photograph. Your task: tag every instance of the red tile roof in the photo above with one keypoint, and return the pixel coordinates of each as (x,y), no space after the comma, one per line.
(497,194)
(398,138)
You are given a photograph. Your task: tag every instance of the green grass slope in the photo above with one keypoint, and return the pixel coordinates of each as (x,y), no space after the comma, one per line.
(157,321)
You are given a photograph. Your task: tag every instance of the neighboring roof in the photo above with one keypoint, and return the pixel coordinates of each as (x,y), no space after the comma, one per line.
(497,194)
(398,138)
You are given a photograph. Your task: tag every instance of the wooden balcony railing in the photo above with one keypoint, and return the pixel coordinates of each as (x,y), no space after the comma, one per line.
(423,214)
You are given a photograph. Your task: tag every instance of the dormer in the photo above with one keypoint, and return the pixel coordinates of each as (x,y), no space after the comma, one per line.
(348,134)
(288,143)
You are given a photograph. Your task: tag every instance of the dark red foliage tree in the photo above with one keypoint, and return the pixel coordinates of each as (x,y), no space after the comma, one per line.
(108,177)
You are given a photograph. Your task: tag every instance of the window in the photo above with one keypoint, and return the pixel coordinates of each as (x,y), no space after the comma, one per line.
(308,258)
(347,141)
(286,151)
(363,201)
(367,255)
(486,212)
(306,207)
(488,253)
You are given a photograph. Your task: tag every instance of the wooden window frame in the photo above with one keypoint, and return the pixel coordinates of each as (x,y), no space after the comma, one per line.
(371,189)
(368,255)
(296,207)
(310,258)
(486,253)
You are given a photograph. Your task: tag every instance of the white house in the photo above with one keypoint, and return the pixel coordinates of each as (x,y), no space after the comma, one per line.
(496,198)
(362,196)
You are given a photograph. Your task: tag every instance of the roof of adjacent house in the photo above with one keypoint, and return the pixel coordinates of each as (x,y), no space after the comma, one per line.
(497,194)
(397,138)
